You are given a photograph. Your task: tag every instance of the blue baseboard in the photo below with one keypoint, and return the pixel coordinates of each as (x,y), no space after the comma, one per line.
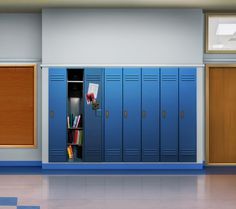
(124,166)
(20,163)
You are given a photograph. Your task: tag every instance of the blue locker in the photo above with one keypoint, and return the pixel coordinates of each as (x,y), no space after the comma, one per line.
(187,114)
(150,114)
(131,114)
(93,144)
(57,114)
(113,114)
(169,114)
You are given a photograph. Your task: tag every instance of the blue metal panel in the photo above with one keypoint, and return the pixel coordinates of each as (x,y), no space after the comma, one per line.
(57,114)
(169,114)
(187,114)
(131,114)
(93,118)
(113,114)
(150,114)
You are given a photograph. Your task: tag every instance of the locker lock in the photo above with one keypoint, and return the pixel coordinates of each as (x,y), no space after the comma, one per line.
(125,114)
(107,114)
(164,114)
(144,114)
(51,114)
(182,114)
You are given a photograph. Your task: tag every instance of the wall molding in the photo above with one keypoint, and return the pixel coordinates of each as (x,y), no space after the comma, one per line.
(10,61)
(121,65)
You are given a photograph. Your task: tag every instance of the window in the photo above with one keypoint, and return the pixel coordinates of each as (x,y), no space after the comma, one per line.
(220,34)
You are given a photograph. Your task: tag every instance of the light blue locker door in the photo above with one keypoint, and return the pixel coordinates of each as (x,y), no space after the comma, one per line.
(93,140)
(113,114)
(169,114)
(131,114)
(57,114)
(187,114)
(150,114)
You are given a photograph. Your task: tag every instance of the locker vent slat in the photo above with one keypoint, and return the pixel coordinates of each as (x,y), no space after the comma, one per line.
(132,78)
(93,78)
(113,77)
(150,77)
(188,77)
(57,77)
(169,77)
(113,152)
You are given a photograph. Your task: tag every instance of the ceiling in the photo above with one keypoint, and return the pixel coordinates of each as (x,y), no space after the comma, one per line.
(37,5)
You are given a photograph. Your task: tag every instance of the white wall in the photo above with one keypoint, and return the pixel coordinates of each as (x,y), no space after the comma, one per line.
(20,42)
(122,36)
(20,36)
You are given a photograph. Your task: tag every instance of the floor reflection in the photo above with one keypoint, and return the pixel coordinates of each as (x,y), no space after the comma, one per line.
(111,192)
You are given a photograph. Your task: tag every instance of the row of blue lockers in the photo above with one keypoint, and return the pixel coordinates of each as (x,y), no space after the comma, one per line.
(144,114)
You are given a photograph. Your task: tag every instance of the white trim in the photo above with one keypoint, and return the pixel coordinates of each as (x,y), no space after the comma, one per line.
(7,61)
(200,115)
(45,109)
(219,60)
(121,65)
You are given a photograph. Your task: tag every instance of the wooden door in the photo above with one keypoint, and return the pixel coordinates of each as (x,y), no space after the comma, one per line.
(221,112)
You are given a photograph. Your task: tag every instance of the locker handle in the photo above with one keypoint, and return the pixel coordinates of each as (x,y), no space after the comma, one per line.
(125,114)
(144,114)
(51,114)
(107,114)
(164,114)
(182,114)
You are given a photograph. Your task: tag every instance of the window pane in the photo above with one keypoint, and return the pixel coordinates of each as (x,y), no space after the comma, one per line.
(221,33)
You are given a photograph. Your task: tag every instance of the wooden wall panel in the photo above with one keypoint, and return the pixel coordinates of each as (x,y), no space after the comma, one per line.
(18,106)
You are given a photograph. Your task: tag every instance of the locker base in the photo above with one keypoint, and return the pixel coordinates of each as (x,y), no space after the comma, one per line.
(124,166)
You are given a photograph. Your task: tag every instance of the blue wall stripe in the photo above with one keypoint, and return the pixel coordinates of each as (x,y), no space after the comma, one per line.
(121,166)
(20,163)
(9,201)
(28,207)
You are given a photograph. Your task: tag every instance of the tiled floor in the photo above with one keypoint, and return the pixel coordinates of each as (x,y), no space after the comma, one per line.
(121,191)
(12,203)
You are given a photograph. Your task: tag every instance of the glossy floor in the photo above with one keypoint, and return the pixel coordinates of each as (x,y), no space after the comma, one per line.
(216,191)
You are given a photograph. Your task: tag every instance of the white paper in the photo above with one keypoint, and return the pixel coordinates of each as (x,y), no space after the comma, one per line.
(93,88)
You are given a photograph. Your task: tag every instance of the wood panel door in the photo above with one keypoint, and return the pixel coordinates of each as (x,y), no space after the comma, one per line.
(221,115)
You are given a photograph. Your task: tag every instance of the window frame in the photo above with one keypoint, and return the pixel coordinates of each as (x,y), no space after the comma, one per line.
(215,14)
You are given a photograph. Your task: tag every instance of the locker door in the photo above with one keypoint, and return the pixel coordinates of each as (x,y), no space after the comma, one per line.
(57,114)
(169,114)
(93,118)
(150,114)
(113,114)
(131,114)
(187,114)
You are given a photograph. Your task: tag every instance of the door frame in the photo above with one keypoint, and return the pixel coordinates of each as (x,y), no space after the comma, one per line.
(207,114)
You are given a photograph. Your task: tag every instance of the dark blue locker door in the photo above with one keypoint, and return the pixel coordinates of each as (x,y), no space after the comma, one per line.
(150,114)
(187,114)
(113,114)
(131,114)
(169,114)
(57,114)
(93,118)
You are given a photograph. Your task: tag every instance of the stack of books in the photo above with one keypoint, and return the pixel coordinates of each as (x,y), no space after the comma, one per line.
(73,121)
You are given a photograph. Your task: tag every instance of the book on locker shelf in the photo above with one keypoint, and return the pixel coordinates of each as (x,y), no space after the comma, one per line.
(78,137)
(73,121)
(70,152)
